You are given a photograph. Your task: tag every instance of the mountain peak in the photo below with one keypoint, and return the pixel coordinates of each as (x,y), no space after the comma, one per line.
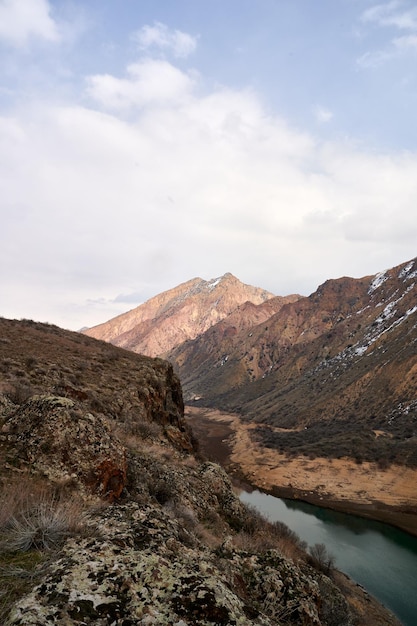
(181,313)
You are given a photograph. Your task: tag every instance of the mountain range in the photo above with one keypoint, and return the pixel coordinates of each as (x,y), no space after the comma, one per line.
(167,320)
(335,372)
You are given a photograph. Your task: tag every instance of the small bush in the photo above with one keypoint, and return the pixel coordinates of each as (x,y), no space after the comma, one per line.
(20,393)
(258,534)
(144,429)
(187,522)
(161,490)
(321,559)
(183,514)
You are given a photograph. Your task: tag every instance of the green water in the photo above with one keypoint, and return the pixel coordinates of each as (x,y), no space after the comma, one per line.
(380,558)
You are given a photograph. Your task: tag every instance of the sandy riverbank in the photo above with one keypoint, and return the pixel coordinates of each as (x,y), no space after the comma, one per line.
(388,495)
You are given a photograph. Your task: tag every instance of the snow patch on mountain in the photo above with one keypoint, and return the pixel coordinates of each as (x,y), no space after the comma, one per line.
(406,271)
(380,278)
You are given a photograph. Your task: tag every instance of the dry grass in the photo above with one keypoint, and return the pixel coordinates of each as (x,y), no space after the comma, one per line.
(18,572)
(36,517)
(34,520)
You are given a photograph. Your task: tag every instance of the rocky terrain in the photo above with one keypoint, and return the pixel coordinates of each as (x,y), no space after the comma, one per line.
(109,517)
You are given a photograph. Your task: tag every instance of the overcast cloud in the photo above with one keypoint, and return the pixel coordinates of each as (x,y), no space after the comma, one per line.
(153,174)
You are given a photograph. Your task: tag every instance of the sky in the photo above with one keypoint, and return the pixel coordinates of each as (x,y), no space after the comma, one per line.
(145,143)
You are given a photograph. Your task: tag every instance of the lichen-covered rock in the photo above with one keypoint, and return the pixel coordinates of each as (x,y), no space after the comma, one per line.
(134,569)
(56,437)
(218,483)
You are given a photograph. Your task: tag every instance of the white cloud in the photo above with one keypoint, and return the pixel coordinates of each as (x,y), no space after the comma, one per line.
(322,114)
(406,42)
(148,82)
(161,37)
(391,14)
(198,185)
(375,58)
(22,20)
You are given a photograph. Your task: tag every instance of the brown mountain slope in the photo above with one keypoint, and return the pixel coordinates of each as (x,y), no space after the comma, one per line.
(340,364)
(196,358)
(133,390)
(182,313)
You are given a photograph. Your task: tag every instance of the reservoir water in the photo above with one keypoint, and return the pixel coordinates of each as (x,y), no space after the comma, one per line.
(380,558)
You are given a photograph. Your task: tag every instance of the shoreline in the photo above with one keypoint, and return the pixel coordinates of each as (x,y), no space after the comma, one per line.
(218,437)
(378,512)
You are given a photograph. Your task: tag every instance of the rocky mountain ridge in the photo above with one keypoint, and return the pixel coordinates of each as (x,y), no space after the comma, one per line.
(108,518)
(184,312)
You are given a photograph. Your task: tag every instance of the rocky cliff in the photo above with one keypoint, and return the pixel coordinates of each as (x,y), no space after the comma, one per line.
(108,518)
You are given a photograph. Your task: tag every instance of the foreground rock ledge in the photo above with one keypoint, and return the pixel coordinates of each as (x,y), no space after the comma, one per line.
(135,569)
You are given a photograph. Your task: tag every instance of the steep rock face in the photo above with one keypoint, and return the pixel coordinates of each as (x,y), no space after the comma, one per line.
(194,359)
(344,314)
(270,343)
(174,316)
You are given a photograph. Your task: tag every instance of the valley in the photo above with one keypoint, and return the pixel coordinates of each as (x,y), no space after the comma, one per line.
(388,495)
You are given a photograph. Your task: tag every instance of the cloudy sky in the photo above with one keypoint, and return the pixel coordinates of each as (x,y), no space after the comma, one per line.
(144,143)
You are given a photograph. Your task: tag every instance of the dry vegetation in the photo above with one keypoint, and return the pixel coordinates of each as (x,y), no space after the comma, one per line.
(337,440)
(129,389)
(35,520)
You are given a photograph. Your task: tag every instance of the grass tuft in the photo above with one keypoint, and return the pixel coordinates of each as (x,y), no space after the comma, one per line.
(34,517)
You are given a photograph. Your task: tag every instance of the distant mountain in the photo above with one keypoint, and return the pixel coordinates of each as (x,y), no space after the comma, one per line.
(182,313)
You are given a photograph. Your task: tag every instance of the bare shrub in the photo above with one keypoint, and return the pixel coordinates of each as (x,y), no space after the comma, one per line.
(213,523)
(321,559)
(210,539)
(30,362)
(284,533)
(146,430)
(253,520)
(258,534)
(183,514)
(20,393)
(162,490)
(187,522)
